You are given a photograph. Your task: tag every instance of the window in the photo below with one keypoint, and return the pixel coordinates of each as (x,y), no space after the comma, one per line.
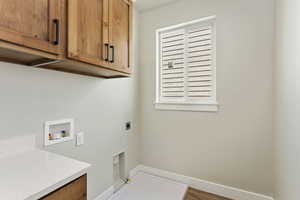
(186,66)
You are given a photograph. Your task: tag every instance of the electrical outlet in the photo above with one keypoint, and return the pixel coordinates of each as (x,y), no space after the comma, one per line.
(128,126)
(79,139)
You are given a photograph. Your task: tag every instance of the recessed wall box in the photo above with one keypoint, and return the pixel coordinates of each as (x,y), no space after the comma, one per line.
(58,131)
(119,174)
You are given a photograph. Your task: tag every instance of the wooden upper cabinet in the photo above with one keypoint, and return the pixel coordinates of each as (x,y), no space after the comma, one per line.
(120,22)
(37,24)
(86,31)
(99,33)
(89,37)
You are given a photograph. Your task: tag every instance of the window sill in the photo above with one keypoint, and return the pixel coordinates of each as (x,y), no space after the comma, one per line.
(211,107)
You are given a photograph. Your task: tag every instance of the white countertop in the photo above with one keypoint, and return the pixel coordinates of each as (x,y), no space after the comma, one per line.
(32,174)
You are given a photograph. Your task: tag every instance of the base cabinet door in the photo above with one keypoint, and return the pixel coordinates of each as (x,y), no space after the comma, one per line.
(120,22)
(76,190)
(37,24)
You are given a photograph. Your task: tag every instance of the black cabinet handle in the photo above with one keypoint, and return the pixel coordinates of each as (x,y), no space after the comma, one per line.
(57,32)
(107,52)
(113,54)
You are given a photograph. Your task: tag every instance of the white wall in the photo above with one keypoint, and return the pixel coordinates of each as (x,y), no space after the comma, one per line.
(234,146)
(287,81)
(101,107)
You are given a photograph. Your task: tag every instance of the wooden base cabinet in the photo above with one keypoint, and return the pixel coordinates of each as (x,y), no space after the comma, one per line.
(76,190)
(89,37)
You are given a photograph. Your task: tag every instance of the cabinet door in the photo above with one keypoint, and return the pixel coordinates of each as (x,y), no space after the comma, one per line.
(120,22)
(76,190)
(88,31)
(33,23)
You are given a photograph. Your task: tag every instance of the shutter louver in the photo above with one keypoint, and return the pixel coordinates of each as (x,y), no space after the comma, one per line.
(172,59)
(199,63)
(186,64)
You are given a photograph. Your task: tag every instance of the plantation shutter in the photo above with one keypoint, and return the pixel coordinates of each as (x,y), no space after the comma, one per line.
(172,69)
(199,63)
(186,63)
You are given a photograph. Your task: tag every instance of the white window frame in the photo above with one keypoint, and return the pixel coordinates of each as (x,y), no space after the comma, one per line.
(201,105)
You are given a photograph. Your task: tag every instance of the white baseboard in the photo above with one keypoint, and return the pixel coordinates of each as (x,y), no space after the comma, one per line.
(106,194)
(206,186)
(135,170)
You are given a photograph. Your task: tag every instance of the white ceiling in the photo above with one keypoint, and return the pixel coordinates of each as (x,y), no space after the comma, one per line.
(143,5)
